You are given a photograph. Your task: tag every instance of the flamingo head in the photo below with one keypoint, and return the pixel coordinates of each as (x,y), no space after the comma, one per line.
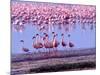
(53,32)
(37,34)
(69,35)
(45,33)
(62,34)
(33,37)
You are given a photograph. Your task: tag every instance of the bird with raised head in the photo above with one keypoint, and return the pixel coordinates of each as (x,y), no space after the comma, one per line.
(63,42)
(47,43)
(70,43)
(37,44)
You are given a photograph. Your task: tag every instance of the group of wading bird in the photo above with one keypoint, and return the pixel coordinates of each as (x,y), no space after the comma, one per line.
(45,43)
(46,14)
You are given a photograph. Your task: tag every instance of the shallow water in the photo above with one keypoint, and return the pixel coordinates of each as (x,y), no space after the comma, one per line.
(81,38)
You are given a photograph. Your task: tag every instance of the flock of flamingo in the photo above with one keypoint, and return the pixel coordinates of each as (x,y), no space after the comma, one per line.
(47,16)
(44,42)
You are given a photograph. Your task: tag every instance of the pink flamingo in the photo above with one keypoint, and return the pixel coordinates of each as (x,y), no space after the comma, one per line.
(37,44)
(55,42)
(64,44)
(47,43)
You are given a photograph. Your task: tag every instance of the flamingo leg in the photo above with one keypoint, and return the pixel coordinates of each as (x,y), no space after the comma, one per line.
(56,51)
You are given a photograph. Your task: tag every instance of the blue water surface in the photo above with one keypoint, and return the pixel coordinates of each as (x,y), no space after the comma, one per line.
(81,38)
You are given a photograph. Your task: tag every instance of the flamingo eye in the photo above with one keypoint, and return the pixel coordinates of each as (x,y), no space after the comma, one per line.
(69,35)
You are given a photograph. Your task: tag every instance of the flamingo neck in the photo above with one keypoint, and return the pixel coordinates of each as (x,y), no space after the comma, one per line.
(54,41)
(46,40)
(62,38)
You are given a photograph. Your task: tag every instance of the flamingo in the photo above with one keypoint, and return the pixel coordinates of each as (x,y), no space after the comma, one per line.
(37,44)
(64,44)
(55,42)
(70,43)
(47,43)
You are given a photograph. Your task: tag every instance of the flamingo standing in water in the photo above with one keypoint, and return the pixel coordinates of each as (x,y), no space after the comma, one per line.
(37,44)
(55,42)
(47,43)
(71,45)
(23,48)
(63,43)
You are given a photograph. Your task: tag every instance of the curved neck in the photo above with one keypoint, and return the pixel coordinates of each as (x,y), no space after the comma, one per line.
(62,38)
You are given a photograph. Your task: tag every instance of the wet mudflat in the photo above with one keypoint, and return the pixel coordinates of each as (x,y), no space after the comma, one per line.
(64,61)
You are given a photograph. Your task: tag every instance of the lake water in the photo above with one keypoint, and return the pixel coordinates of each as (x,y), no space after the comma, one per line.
(81,38)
